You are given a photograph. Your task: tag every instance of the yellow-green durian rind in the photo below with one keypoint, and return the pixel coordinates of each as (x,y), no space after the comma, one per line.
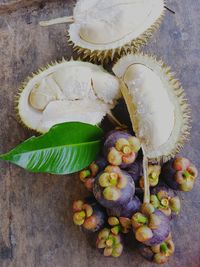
(177,95)
(102,54)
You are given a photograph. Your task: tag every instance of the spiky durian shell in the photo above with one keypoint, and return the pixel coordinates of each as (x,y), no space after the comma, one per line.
(98,56)
(185,110)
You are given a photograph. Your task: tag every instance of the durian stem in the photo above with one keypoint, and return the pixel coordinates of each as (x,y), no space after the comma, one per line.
(69,19)
(114,120)
(170,10)
(146,180)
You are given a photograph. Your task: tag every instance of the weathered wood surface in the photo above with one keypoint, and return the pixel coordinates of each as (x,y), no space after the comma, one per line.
(36,228)
(12,5)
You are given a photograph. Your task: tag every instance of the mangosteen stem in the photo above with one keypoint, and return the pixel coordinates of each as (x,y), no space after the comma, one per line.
(114,120)
(141,219)
(69,19)
(146,179)
(164,247)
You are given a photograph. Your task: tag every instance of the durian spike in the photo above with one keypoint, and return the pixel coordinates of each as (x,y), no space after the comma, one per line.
(146,180)
(68,19)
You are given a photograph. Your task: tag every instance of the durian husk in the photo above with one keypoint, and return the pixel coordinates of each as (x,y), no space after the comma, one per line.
(104,53)
(184,107)
(38,72)
(105,56)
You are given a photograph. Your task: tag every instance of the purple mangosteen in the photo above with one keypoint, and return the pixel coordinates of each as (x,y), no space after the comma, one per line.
(127,210)
(113,187)
(136,170)
(87,175)
(165,200)
(159,254)
(179,174)
(109,243)
(119,224)
(153,172)
(151,226)
(89,214)
(121,148)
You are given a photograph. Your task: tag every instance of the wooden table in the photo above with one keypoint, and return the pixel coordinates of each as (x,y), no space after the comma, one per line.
(36,228)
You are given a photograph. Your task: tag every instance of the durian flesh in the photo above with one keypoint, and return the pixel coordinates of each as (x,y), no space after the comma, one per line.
(101,29)
(67,91)
(156,102)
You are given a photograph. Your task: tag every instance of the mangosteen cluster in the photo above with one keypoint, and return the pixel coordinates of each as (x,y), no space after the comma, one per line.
(116,207)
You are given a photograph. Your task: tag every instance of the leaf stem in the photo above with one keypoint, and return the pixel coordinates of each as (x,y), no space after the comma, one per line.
(146,180)
(68,19)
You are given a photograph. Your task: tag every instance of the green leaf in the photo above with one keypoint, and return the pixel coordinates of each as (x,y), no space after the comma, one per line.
(66,148)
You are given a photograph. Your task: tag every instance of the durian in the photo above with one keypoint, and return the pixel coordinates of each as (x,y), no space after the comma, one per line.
(158,108)
(67,91)
(102,29)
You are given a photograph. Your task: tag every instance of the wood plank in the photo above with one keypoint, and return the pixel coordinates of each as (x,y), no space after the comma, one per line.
(13,5)
(36,228)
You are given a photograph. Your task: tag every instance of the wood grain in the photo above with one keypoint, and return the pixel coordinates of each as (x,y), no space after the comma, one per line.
(36,228)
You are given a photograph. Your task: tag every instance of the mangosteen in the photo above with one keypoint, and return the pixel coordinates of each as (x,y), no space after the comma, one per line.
(110,243)
(113,187)
(145,252)
(153,175)
(89,214)
(121,148)
(165,200)
(159,254)
(179,174)
(116,129)
(151,226)
(136,170)
(87,175)
(127,210)
(121,224)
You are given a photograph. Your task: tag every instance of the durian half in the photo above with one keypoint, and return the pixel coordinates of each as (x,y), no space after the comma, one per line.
(103,29)
(157,105)
(67,91)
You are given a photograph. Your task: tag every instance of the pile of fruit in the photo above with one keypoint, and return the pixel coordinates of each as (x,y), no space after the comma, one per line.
(133,179)
(116,207)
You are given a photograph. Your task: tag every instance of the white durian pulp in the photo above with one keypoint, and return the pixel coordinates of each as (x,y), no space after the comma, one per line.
(75,83)
(43,92)
(110,24)
(156,104)
(84,110)
(69,91)
(155,111)
(104,86)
